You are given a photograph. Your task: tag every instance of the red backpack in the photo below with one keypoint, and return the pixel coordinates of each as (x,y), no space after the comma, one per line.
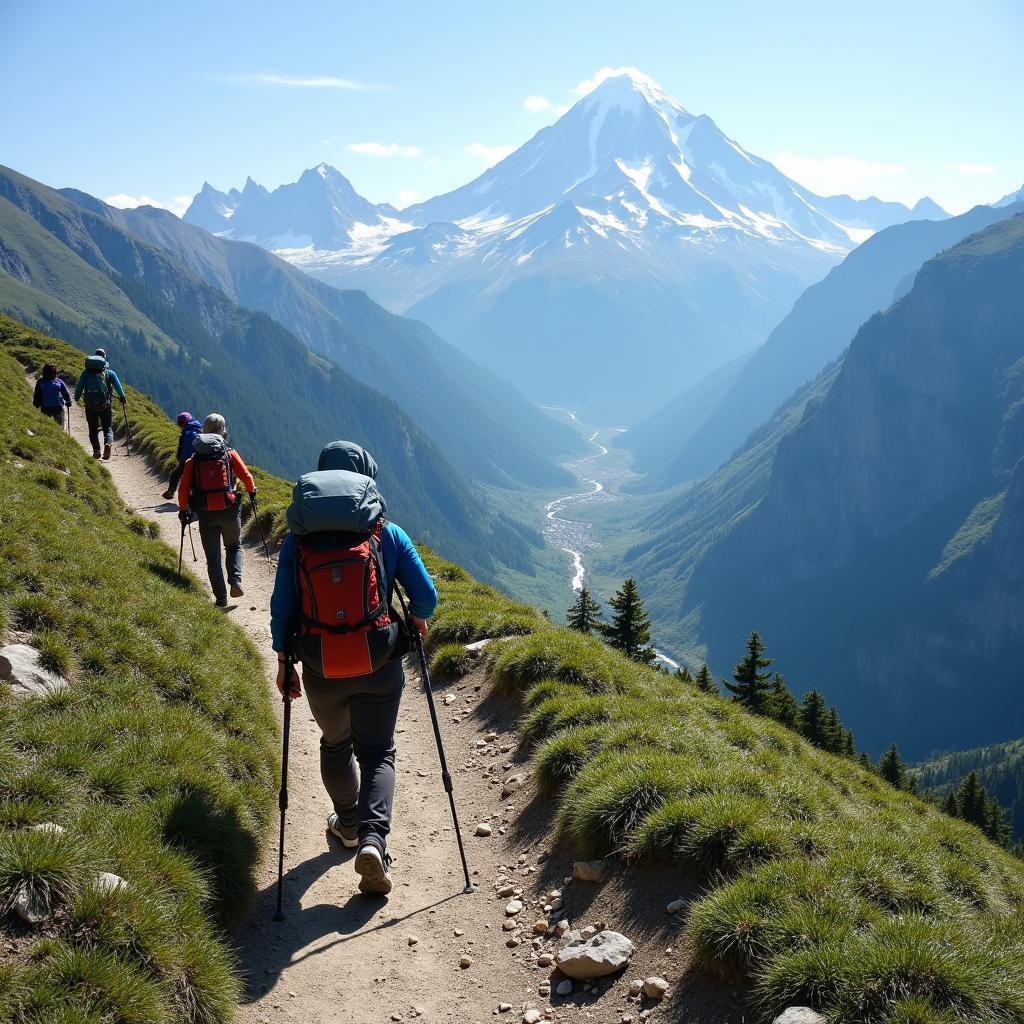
(213,479)
(345,626)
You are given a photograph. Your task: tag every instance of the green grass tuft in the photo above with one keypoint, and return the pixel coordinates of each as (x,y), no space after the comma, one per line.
(450,660)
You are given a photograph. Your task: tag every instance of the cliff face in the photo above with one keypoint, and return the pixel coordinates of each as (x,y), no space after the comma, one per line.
(883,563)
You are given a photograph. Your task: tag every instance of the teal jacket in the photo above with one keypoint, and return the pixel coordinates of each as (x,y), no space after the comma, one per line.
(111,379)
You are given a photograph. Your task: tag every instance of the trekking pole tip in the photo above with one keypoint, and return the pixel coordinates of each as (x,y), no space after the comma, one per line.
(470,888)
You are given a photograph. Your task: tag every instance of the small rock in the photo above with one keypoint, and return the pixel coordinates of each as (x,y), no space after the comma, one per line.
(594,957)
(564,988)
(48,826)
(511,784)
(21,665)
(588,932)
(544,989)
(531,1017)
(107,881)
(636,986)
(412,940)
(556,903)
(589,870)
(504,1007)
(458,933)
(675,906)
(655,987)
(545,960)
(505,891)
(466,961)
(513,907)
(490,737)
(449,698)
(512,941)
(477,646)
(561,928)
(510,924)
(799,1015)
(540,927)
(482,829)
(30,907)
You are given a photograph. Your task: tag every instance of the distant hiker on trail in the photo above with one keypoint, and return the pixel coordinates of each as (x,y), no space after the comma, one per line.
(51,395)
(331,606)
(207,490)
(190,429)
(98,384)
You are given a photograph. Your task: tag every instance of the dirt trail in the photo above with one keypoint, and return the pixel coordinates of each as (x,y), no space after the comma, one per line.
(340,956)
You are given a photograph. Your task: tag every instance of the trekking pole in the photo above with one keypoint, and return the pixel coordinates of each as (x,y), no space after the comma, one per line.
(181,548)
(193,543)
(259,525)
(445,774)
(282,799)
(67,409)
(127,431)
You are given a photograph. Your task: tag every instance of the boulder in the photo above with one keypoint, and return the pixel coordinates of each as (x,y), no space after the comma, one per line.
(799,1015)
(21,666)
(595,957)
(107,881)
(589,870)
(30,907)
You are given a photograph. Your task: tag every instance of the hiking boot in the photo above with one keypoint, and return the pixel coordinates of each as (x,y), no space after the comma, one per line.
(106,451)
(374,867)
(95,453)
(221,602)
(236,590)
(168,494)
(349,836)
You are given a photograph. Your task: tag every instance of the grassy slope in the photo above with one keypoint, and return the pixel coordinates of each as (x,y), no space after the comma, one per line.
(823,884)
(157,760)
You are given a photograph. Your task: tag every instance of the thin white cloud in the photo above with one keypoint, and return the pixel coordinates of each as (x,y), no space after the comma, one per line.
(490,155)
(178,205)
(300,81)
(408,196)
(537,104)
(384,149)
(833,175)
(973,169)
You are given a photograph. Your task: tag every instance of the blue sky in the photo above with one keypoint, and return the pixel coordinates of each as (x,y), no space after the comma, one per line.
(149,99)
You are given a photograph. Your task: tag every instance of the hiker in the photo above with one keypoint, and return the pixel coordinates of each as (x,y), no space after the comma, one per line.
(51,395)
(190,429)
(331,606)
(98,383)
(207,490)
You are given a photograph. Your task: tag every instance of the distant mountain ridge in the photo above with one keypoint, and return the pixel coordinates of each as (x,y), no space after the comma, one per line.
(687,440)
(876,542)
(628,221)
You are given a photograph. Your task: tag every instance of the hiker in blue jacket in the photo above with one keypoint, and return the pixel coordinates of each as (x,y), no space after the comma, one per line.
(356,715)
(190,428)
(51,394)
(98,384)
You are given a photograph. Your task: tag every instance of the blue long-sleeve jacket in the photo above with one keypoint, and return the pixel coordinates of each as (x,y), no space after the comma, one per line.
(111,376)
(189,433)
(401,562)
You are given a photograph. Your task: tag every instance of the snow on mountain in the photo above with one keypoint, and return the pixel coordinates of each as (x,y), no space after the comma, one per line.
(628,223)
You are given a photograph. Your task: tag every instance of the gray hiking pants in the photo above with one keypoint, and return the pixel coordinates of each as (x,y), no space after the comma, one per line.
(357,718)
(226,525)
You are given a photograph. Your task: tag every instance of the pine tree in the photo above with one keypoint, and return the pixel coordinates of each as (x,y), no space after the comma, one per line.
(752,687)
(835,731)
(813,719)
(865,761)
(892,768)
(630,628)
(782,705)
(998,827)
(704,681)
(972,801)
(585,613)
(849,747)
(950,806)
(684,674)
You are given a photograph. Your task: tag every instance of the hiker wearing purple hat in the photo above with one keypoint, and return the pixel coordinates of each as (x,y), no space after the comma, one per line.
(190,428)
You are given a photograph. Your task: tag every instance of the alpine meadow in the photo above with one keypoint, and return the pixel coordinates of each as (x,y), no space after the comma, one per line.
(511,513)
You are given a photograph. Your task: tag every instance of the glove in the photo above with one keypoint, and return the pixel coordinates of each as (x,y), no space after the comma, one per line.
(185,516)
(252,494)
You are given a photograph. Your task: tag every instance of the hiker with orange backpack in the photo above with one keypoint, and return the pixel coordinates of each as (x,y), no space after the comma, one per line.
(97,385)
(331,611)
(208,490)
(51,395)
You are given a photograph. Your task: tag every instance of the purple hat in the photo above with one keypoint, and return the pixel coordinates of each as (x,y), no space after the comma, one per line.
(184,418)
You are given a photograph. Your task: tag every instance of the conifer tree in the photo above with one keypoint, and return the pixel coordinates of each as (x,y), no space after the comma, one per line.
(836,740)
(972,801)
(751,687)
(865,761)
(950,806)
(630,628)
(782,705)
(585,613)
(684,674)
(892,768)
(813,719)
(704,681)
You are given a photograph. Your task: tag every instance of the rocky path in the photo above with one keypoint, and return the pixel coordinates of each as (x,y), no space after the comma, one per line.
(428,952)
